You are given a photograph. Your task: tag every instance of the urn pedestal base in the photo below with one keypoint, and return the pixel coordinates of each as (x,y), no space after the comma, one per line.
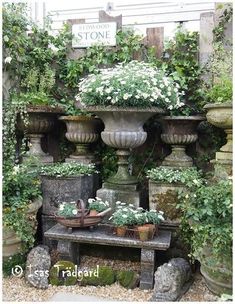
(178,158)
(83,159)
(129,194)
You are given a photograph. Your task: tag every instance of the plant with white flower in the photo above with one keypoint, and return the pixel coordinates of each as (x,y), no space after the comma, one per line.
(8,60)
(133,84)
(97,204)
(154,217)
(67,209)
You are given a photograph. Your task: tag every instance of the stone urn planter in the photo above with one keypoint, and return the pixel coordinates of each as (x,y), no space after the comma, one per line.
(82,131)
(41,120)
(11,242)
(221,116)
(179,131)
(218,274)
(123,131)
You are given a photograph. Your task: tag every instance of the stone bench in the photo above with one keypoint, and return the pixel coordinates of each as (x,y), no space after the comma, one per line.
(69,250)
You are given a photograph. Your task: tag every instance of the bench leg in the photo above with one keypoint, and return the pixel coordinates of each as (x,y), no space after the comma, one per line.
(69,251)
(147,268)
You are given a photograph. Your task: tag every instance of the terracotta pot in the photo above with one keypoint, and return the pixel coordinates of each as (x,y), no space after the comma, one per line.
(152,230)
(179,131)
(41,121)
(143,233)
(11,242)
(82,131)
(121,230)
(93,212)
(221,116)
(123,131)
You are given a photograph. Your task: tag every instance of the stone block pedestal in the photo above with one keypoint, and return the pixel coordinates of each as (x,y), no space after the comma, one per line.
(128,194)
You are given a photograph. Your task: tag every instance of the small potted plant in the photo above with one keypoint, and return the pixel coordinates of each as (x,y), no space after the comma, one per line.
(68,209)
(97,205)
(154,218)
(143,229)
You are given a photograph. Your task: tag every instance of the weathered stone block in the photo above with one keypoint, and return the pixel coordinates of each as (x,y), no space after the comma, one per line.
(164,197)
(66,189)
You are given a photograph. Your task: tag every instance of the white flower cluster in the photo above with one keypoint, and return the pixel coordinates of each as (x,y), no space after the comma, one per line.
(136,84)
(97,204)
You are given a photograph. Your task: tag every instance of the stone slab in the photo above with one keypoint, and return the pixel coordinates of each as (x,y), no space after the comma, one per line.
(99,236)
(71,297)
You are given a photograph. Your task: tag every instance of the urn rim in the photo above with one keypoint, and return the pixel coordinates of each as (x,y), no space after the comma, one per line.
(45,109)
(126,109)
(193,117)
(218,105)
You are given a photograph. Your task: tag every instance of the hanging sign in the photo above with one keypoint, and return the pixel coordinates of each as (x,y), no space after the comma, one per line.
(87,34)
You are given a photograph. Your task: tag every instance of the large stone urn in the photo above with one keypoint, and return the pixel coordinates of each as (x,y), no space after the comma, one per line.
(123,131)
(221,116)
(179,131)
(12,243)
(40,120)
(82,131)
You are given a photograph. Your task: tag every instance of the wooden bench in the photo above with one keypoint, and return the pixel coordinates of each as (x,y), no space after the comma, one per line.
(69,250)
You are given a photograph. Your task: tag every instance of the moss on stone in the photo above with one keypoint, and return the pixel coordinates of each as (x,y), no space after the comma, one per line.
(106,276)
(127,278)
(61,274)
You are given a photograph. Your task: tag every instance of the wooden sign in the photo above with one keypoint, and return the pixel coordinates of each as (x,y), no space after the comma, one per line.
(87,34)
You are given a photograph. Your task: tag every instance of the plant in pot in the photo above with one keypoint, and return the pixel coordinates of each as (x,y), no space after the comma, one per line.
(219,96)
(124,97)
(97,205)
(154,218)
(207,210)
(83,129)
(21,201)
(144,230)
(164,185)
(37,109)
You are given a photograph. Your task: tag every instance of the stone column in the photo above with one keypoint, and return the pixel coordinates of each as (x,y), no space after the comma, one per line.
(147,268)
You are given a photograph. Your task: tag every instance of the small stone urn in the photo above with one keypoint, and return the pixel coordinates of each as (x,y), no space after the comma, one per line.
(41,120)
(82,131)
(221,116)
(179,131)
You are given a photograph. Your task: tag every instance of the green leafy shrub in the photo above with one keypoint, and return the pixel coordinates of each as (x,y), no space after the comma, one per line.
(186,176)
(207,211)
(67,170)
(9,263)
(135,84)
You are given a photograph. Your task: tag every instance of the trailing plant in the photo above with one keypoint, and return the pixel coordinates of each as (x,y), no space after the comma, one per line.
(20,188)
(207,210)
(67,170)
(97,204)
(224,19)
(187,176)
(180,61)
(135,84)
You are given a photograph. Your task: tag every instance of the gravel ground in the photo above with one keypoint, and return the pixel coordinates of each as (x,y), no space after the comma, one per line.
(17,290)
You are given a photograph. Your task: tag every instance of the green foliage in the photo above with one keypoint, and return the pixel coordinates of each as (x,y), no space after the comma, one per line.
(9,263)
(180,61)
(106,276)
(135,84)
(153,217)
(186,176)
(58,274)
(97,204)
(20,188)
(224,19)
(207,217)
(67,169)
(127,278)
(68,209)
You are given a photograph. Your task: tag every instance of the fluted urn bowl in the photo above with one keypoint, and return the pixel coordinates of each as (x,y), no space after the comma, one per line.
(124,131)
(40,121)
(179,131)
(221,116)
(82,131)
